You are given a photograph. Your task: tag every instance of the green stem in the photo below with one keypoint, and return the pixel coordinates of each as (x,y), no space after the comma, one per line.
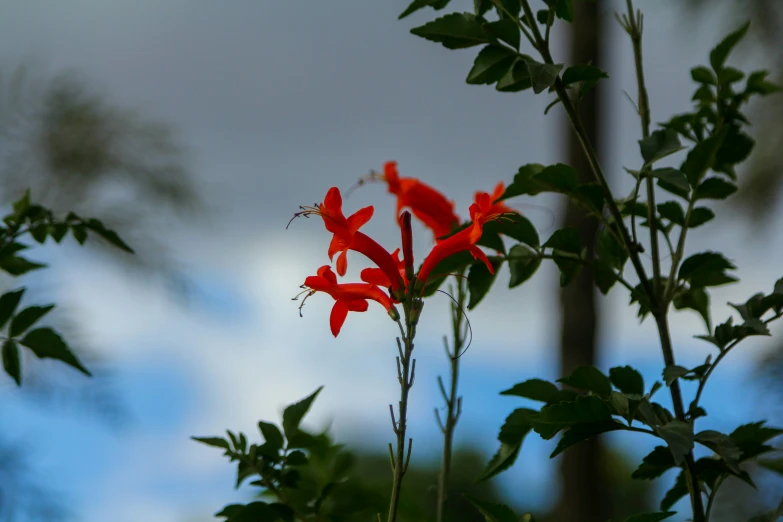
(453,401)
(406,372)
(713,494)
(778,512)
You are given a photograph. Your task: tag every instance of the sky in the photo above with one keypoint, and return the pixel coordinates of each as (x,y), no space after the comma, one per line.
(276,102)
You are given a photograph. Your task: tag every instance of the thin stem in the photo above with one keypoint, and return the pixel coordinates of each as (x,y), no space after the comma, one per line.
(778,512)
(406,373)
(592,157)
(713,494)
(453,402)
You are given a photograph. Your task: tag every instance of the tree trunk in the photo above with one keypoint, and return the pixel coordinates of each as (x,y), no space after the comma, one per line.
(584,495)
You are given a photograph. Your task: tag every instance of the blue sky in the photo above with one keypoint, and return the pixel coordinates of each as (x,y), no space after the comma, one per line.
(276,102)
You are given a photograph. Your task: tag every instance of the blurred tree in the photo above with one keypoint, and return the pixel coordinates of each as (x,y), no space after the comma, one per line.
(77,152)
(584,496)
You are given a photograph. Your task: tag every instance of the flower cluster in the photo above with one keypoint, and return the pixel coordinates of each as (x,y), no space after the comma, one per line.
(392,280)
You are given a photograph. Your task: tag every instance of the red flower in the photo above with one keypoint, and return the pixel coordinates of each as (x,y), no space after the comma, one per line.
(347,236)
(350,297)
(426,203)
(376,276)
(484,209)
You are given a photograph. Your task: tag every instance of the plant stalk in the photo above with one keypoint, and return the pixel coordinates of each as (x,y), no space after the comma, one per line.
(453,401)
(406,372)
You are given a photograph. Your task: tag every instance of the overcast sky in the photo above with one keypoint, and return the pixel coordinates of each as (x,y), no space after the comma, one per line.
(277,102)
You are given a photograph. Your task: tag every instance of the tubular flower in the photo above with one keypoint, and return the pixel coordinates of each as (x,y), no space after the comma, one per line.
(350,297)
(483,209)
(376,276)
(347,236)
(427,204)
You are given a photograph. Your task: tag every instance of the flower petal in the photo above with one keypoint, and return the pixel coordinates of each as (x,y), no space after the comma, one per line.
(359,218)
(479,254)
(357,305)
(326,272)
(337,317)
(342,263)
(375,276)
(333,200)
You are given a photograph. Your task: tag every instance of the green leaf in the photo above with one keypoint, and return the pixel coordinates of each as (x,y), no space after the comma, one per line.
(559,178)
(534,389)
(757,84)
(655,464)
(490,65)
(658,145)
(706,269)
(421,4)
(775,465)
(729,75)
(679,436)
(751,439)
(700,216)
(671,176)
(588,378)
(293,414)
(610,249)
(679,490)
(553,418)
(564,9)
(216,442)
(272,435)
(524,182)
(109,235)
(627,380)
(480,281)
(722,445)
(702,74)
(46,343)
(580,432)
(715,188)
(672,211)
(11,361)
(454,31)
(516,78)
(512,433)
(522,263)
(515,226)
(672,373)
(651,517)
(604,275)
(719,54)
(259,512)
(695,299)
(506,30)
(492,512)
(8,303)
(565,240)
(543,75)
(583,73)
(296,458)
(17,266)
(701,157)
(27,318)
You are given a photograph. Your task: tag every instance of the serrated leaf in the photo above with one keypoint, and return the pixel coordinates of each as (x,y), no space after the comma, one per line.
(505,30)
(719,54)
(672,373)
(679,437)
(27,318)
(11,361)
(655,464)
(582,73)
(492,512)
(293,414)
(702,74)
(534,389)
(715,188)
(524,182)
(696,299)
(271,434)
(46,343)
(658,145)
(490,65)
(16,265)
(671,176)
(8,303)
(516,78)
(565,240)
(564,9)
(543,75)
(559,177)
(216,442)
(700,216)
(672,211)
(515,226)
(296,458)
(553,418)
(751,439)
(702,157)
(588,378)
(580,432)
(421,4)
(722,445)
(480,281)
(678,490)
(454,31)
(109,235)
(706,269)
(627,380)
(610,249)
(522,263)
(512,433)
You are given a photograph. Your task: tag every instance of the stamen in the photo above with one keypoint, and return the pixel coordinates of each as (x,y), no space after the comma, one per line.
(306,212)
(309,293)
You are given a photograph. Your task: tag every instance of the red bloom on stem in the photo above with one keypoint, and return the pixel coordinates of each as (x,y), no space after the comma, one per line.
(376,276)
(350,297)
(430,206)
(347,236)
(484,209)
